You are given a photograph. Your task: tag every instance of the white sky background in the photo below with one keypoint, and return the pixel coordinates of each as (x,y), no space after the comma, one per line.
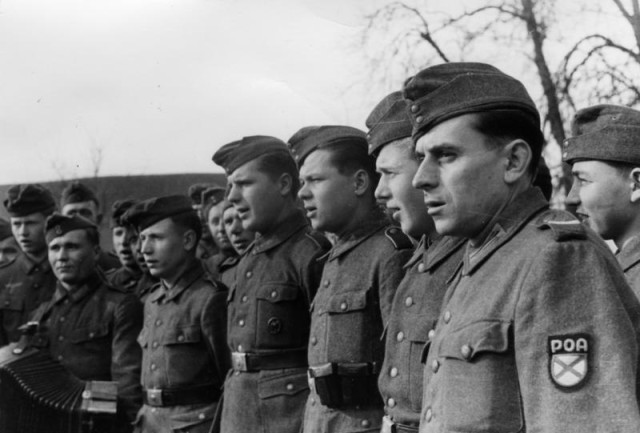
(158,85)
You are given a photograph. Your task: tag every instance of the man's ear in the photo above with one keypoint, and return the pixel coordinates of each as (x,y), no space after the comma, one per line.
(361,182)
(189,240)
(634,177)
(518,154)
(285,184)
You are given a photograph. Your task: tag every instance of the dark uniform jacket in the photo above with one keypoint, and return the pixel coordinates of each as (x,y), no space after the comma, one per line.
(24,285)
(414,312)
(184,348)
(108,261)
(215,265)
(92,331)
(629,259)
(538,332)
(361,275)
(123,278)
(276,280)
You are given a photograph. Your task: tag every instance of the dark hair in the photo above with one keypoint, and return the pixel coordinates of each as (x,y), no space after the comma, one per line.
(503,126)
(348,159)
(277,164)
(189,221)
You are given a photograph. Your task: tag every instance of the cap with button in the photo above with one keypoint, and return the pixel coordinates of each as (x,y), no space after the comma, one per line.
(606,133)
(389,121)
(195,192)
(118,209)
(5,229)
(311,138)
(77,192)
(444,91)
(211,197)
(58,225)
(23,200)
(237,153)
(151,211)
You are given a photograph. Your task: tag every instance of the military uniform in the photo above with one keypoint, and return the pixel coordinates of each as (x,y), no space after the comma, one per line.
(185,356)
(414,312)
(92,331)
(353,302)
(228,270)
(108,261)
(629,259)
(268,329)
(527,334)
(24,285)
(217,264)
(123,278)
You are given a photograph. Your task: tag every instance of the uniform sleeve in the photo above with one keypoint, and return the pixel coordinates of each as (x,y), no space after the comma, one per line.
(391,273)
(126,357)
(575,343)
(214,327)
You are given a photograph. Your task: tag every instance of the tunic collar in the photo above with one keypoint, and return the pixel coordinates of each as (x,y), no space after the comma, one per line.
(190,275)
(629,255)
(77,295)
(29,267)
(287,228)
(364,231)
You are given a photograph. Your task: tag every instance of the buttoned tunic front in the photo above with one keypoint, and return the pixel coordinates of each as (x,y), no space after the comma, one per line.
(92,332)
(24,285)
(360,278)
(414,313)
(538,332)
(183,346)
(629,259)
(275,281)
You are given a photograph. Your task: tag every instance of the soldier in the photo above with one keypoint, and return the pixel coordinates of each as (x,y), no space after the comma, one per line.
(605,155)
(9,248)
(88,326)
(78,199)
(213,206)
(206,246)
(276,279)
(416,304)
(126,277)
(184,355)
(240,239)
(360,277)
(529,338)
(28,281)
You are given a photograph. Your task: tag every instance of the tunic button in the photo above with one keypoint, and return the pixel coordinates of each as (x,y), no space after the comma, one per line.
(241,322)
(365,423)
(393,372)
(249,274)
(409,301)
(431,334)
(428,415)
(391,403)
(447,316)
(239,347)
(158,322)
(7,303)
(62,319)
(414,108)
(153,366)
(326,283)
(36,285)
(435,365)
(421,267)
(201,416)
(91,335)
(274,294)
(180,337)
(289,386)
(400,336)
(314,341)
(245,298)
(154,344)
(61,338)
(419,119)
(343,306)
(60,357)
(466,351)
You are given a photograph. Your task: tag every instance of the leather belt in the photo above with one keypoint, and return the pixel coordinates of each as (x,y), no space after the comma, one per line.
(389,426)
(249,361)
(181,396)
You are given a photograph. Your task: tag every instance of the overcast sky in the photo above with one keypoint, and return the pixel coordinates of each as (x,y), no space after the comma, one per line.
(157,86)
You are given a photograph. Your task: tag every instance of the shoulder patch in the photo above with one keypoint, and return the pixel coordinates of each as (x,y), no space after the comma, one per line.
(569,360)
(319,239)
(399,240)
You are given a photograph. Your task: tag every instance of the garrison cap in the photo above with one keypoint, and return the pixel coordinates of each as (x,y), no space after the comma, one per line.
(146,213)
(58,225)
(388,122)
(23,200)
(5,229)
(237,153)
(118,209)
(211,197)
(448,90)
(77,192)
(311,138)
(195,192)
(604,132)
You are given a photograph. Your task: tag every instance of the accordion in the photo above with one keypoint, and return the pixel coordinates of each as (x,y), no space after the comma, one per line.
(39,395)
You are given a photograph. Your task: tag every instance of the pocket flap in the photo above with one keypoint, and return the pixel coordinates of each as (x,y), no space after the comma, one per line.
(277,292)
(289,384)
(420,332)
(143,339)
(89,333)
(184,420)
(13,303)
(231,295)
(185,334)
(475,338)
(347,302)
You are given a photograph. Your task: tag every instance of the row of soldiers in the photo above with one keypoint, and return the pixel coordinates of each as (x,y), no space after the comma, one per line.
(478,309)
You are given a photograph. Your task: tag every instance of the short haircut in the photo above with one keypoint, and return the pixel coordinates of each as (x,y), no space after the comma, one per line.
(278,163)
(503,126)
(349,159)
(189,221)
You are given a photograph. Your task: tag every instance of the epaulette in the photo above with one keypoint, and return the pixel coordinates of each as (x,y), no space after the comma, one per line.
(319,239)
(564,230)
(399,240)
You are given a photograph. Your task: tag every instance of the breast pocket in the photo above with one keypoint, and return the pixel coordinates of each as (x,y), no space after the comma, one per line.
(417,337)
(282,318)
(184,352)
(481,374)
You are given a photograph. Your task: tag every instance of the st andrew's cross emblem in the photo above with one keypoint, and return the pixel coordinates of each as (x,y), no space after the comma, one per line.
(569,360)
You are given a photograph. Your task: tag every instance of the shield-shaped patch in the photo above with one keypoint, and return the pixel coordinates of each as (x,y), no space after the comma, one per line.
(569,360)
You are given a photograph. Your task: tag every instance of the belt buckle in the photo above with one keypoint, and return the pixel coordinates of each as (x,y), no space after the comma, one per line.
(388,426)
(154,397)
(239,361)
